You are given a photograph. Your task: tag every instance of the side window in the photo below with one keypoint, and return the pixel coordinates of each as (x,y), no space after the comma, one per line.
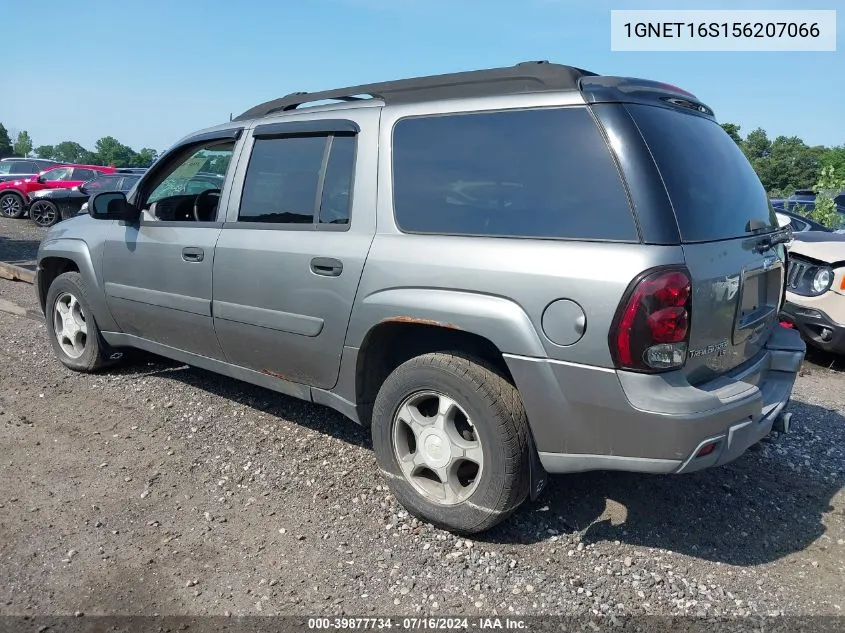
(102,183)
(798,225)
(336,199)
(59,174)
(201,170)
(299,180)
(83,174)
(544,173)
(23,167)
(127,182)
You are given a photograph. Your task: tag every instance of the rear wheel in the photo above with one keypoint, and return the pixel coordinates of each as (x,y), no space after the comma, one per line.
(451,435)
(72,330)
(44,213)
(11,205)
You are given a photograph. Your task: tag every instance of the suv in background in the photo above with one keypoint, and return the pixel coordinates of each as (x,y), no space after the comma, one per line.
(17,168)
(49,206)
(815,289)
(15,194)
(502,273)
(799,223)
(803,201)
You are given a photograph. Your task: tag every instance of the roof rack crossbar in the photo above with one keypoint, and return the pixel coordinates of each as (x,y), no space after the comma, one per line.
(524,77)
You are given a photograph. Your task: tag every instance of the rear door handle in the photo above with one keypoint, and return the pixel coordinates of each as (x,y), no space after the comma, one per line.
(326,266)
(192,254)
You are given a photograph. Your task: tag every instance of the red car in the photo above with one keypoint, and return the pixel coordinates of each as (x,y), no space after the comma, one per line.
(14,194)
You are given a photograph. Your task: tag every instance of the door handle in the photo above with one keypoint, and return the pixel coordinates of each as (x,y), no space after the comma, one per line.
(192,254)
(326,266)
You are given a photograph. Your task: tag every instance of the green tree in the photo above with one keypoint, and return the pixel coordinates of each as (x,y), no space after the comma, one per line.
(45,151)
(733,131)
(834,157)
(790,165)
(757,144)
(144,158)
(23,144)
(5,143)
(70,152)
(90,158)
(829,185)
(112,152)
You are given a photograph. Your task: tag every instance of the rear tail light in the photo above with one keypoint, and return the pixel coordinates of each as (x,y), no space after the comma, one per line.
(651,328)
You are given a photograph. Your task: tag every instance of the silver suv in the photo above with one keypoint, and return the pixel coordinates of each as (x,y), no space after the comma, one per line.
(504,273)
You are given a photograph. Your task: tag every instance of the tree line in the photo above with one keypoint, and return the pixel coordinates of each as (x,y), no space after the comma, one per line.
(784,164)
(107,151)
(787,163)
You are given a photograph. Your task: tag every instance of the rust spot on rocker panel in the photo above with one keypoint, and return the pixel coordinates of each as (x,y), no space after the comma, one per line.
(276,374)
(416,321)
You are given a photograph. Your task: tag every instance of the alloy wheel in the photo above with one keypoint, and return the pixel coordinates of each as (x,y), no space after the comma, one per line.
(437,447)
(43,213)
(10,206)
(69,325)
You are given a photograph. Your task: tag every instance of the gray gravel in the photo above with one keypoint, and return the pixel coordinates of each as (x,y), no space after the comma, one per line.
(157,488)
(19,240)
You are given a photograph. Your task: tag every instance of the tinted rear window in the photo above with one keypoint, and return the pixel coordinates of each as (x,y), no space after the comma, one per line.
(543,173)
(713,188)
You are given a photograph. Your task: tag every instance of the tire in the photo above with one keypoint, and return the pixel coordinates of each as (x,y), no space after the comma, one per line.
(12,205)
(44,213)
(498,423)
(87,353)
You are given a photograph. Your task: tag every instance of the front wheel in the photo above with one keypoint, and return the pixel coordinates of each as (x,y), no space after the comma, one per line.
(451,435)
(73,332)
(44,213)
(11,205)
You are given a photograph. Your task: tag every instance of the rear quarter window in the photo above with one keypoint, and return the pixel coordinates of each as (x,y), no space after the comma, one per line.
(714,190)
(544,173)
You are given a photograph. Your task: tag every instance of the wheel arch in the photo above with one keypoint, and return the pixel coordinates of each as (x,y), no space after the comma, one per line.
(64,255)
(393,326)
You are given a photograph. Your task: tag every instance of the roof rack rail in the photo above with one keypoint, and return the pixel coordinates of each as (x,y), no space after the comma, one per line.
(525,77)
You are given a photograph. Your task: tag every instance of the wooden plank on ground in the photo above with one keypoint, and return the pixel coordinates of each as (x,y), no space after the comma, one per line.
(16,273)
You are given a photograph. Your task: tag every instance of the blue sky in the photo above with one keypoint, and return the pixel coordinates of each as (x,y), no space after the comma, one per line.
(149,72)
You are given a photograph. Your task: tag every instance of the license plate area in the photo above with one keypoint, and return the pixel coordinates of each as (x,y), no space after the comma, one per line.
(758,302)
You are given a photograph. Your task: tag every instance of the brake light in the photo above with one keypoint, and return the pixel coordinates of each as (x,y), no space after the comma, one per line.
(651,329)
(673,88)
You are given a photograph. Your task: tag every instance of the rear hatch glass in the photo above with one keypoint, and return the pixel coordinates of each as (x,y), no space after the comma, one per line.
(723,214)
(712,186)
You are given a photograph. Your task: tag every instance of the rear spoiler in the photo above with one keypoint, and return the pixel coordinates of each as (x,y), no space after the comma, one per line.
(603,89)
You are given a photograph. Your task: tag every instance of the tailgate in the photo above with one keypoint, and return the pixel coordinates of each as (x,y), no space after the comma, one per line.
(726,225)
(735,302)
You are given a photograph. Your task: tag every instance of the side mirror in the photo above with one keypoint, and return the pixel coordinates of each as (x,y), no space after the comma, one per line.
(42,179)
(112,205)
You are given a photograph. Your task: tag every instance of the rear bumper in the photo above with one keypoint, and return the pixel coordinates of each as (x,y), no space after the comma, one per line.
(816,326)
(587,418)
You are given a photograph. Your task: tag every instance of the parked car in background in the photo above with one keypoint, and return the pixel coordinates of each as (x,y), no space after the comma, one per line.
(798,223)
(15,194)
(190,185)
(423,262)
(17,168)
(815,289)
(49,206)
(805,199)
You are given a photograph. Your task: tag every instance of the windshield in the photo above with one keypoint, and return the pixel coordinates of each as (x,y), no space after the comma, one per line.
(714,190)
(5,168)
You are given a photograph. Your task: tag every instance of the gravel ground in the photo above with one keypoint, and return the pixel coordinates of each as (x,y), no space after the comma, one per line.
(19,240)
(157,488)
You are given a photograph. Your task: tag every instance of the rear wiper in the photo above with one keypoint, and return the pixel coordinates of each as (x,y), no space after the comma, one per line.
(752,226)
